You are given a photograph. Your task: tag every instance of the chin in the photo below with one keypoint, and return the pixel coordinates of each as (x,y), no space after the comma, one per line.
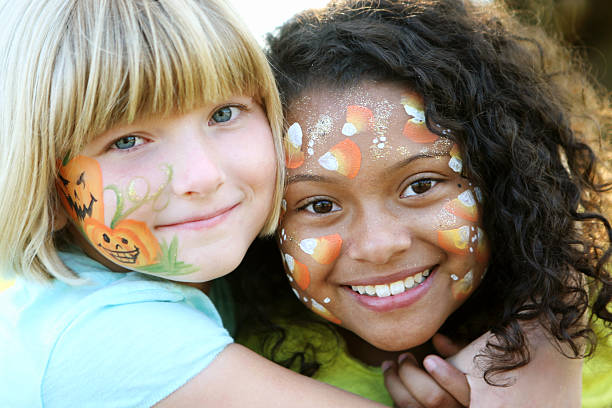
(398,341)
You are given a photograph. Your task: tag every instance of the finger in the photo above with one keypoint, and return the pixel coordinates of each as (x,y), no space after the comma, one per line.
(445,346)
(423,387)
(400,395)
(450,378)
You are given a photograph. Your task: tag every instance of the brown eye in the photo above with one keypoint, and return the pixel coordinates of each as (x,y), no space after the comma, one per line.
(419,187)
(321,207)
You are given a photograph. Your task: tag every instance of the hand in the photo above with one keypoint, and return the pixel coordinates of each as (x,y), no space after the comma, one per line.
(441,385)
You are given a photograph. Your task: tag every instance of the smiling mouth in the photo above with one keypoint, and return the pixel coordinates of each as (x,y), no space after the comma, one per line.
(393,288)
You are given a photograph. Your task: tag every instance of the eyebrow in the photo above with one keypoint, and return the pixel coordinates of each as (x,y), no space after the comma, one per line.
(308,177)
(410,159)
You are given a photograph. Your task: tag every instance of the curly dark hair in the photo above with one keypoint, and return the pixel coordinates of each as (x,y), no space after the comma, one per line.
(522,111)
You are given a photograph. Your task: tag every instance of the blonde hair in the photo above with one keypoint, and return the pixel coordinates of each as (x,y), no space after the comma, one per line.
(71,69)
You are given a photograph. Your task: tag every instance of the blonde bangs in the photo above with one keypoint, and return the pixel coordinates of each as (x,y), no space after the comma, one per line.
(152,58)
(71,69)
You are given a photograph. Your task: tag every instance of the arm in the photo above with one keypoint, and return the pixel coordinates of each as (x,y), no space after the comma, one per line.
(550,379)
(239,377)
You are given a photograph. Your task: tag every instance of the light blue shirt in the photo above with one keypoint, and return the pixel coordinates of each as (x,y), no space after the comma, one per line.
(122,340)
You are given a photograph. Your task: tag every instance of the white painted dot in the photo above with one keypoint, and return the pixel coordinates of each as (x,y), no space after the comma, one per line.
(349,129)
(380,145)
(454,277)
(326,300)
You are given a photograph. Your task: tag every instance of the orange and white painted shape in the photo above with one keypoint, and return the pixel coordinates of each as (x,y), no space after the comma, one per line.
(455,162)
(344,158)
(294,157)
(462,288)
(299,271)
(323,312)
(324,249)
(465,240)
(413,105)
(358,119)
(464,206)
(415,129)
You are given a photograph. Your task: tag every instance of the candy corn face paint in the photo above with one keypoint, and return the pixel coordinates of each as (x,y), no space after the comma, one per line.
(361,235)
(181,197)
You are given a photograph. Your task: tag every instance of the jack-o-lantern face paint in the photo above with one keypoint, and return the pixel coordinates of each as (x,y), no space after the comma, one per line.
(181,197)
(390,247)
(79,185)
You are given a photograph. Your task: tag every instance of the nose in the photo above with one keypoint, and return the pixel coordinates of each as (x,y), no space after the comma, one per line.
(378,238)
(198,169)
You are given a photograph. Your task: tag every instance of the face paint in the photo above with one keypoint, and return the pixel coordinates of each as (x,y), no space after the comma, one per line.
(294,157)
(358,120)
(80,188)
(462,288)
(345,158)
(324,250)
(455,161)
(180,197)
(464,206)
(387,277)
(298,271)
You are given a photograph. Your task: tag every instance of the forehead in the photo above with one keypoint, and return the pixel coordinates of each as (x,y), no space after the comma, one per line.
(383,122)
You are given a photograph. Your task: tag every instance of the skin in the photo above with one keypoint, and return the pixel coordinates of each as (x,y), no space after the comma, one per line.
(388,211)
(215,165)
(201,181)
(382,230)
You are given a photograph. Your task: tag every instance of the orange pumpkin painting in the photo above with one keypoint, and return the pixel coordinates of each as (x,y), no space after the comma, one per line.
(80,189)
(130,243)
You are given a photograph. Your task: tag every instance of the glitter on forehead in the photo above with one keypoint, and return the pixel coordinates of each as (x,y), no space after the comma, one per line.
(317,132)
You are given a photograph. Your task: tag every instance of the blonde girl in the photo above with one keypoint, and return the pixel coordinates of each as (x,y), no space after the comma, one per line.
(140,142)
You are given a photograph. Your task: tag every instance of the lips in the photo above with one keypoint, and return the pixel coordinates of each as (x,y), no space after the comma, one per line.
(208,220)
(382,297)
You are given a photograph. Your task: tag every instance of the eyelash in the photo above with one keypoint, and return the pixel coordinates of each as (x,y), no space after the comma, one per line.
(129,149)
(241,108)
(316,200)
(410,186)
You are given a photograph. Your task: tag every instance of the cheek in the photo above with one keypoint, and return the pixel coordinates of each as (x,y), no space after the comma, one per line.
(464,241)
(308,261)
(135,192)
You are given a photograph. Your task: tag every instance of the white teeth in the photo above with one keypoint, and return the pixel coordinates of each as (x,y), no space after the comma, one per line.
(394,288)
(397,287)
(382,290)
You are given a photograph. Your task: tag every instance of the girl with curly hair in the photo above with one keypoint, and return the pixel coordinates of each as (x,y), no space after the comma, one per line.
(440,179)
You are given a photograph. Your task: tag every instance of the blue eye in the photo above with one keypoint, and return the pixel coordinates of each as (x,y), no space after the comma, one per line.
(223,114)
(127,142)
(419,187)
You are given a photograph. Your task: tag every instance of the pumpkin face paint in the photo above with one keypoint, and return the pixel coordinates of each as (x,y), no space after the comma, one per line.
(181,197)
(80,188)
(365,247)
